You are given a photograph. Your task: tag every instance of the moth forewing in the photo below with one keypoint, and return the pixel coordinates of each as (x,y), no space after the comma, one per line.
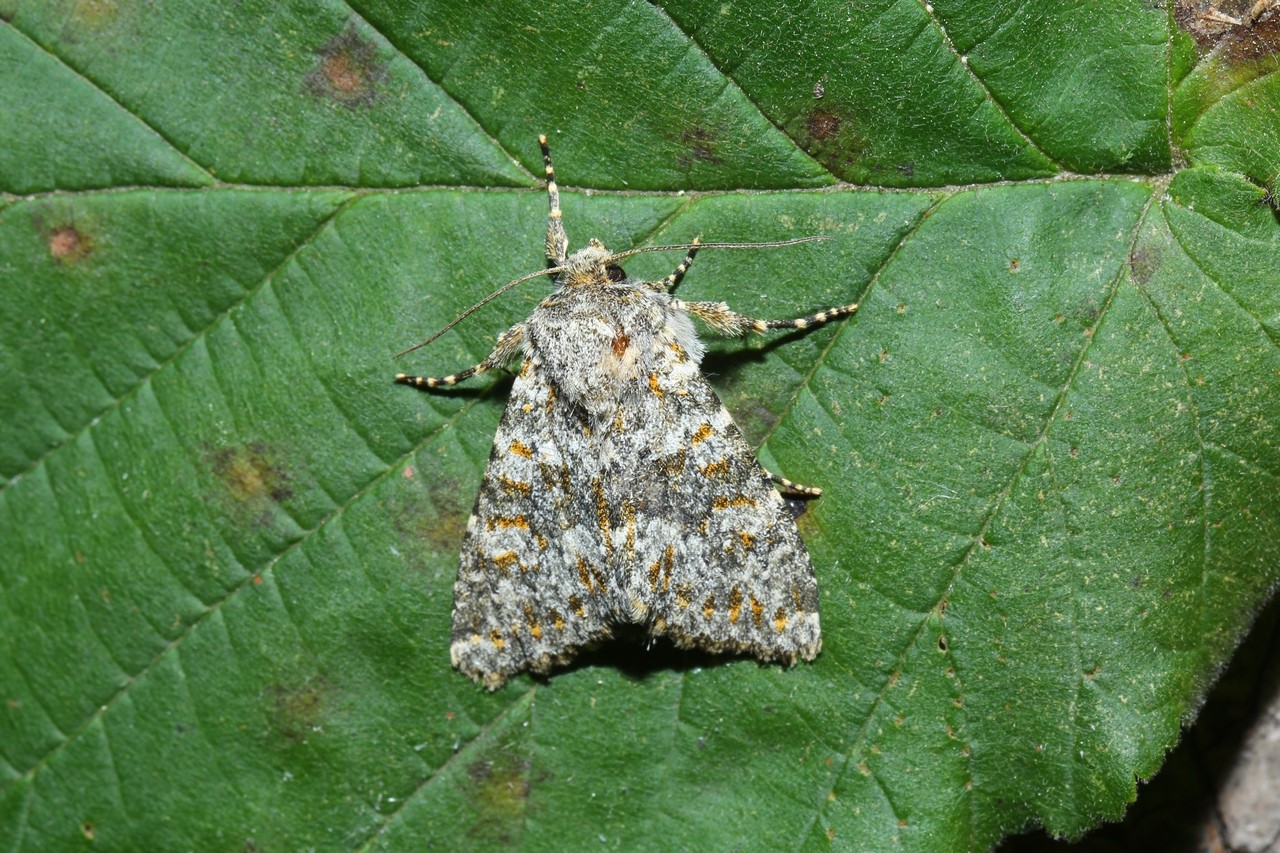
(619,490)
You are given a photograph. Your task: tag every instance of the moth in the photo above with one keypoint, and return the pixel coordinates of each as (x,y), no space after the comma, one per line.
(619,491)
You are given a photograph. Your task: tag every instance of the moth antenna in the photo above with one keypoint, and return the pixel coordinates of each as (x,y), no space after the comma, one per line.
(817,238)
(480,304)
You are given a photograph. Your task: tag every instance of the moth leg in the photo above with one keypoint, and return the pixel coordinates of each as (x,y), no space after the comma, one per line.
(678,273)
(789,487)
(557,240)
(726,321)
(503,351)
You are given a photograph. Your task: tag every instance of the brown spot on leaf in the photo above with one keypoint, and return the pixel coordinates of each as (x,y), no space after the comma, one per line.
(499,791)
(701,144)
(68,245)
(347,70)
(296,710)
(822,125)
(430,519)
(1087,311)
(251,474)
(501,785)
(1143,263)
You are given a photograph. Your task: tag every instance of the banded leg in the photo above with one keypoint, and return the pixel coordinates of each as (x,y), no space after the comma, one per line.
(726,321)
(503,351)
(678,273)
(557,240)
(785,485)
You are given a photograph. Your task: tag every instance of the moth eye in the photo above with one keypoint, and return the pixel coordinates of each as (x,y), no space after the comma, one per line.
(615,273)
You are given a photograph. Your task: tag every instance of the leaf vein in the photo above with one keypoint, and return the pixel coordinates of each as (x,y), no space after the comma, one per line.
(182,349)
(215,606)
(997,505)
(524,700)
(730,82)
(807,379)
(97,86)
(1270,334)
(493,140)
(1000,107)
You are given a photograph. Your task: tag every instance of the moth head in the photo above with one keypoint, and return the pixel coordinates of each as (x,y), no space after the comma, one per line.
(591,266)
(594,266)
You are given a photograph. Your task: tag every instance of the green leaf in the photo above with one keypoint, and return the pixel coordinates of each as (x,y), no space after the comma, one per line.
(1047,440)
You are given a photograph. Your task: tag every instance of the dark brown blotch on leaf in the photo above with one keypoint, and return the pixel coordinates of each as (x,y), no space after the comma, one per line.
(347,70)
(701,144)
(829,135)
(822,125)
(1246,30)
(1143,263)
(1258,41)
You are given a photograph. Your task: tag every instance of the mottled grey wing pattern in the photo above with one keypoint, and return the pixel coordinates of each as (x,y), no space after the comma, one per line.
(717,560)
(531,585)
